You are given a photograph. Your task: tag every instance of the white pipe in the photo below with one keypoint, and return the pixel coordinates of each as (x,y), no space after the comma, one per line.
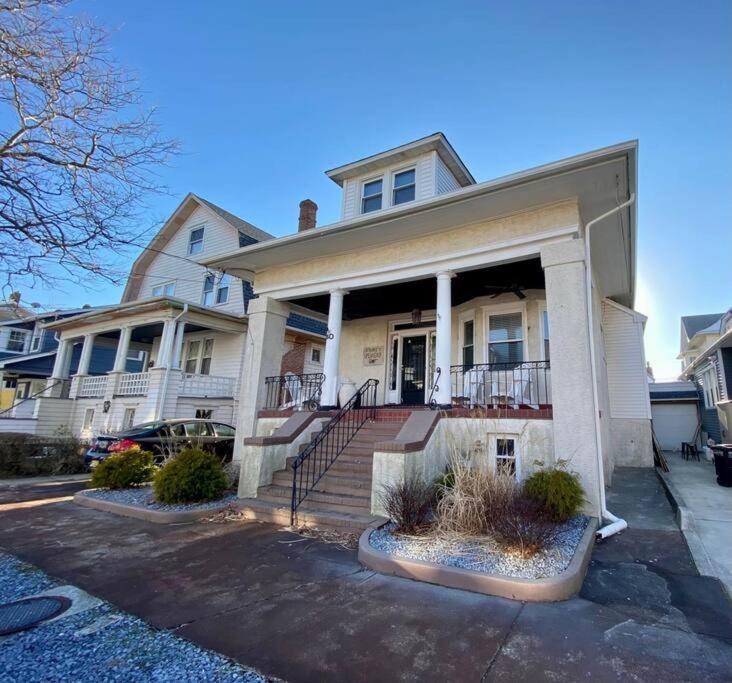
(615,523)
(164,387)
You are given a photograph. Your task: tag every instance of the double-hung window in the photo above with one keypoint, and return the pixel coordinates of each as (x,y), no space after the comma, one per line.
(545,332)
(506,456)
(16,340)
(468,343)
(206,356)
(192,353)
(214,292)
(222,289)
(198,356)
(371,195)
(166,289)
(195,241)
(506,338)
(208,290)
(404,186)
(37,339)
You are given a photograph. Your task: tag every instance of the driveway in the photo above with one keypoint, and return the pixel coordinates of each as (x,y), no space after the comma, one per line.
(304,610)
(710,525)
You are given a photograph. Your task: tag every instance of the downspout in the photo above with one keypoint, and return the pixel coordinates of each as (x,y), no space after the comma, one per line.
(164,387)
(615,524)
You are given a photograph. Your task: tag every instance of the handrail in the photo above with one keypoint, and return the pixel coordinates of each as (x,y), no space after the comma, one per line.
(293,391)
(327,445)
(32,396)
(435,387)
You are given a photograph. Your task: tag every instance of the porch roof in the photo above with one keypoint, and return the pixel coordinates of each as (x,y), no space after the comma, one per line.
(598,180)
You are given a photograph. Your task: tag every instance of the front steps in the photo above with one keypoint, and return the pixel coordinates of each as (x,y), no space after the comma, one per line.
(340,500)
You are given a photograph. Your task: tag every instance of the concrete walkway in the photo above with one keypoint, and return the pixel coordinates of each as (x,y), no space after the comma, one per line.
(303,610)
(710,505)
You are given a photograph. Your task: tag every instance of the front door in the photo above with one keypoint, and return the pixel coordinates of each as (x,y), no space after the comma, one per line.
(414,356)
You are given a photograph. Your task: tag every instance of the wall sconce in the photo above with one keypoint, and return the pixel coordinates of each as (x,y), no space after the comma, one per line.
(106,406)
(416,316)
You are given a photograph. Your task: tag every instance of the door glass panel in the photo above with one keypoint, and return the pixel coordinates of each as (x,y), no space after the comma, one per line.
(414,352)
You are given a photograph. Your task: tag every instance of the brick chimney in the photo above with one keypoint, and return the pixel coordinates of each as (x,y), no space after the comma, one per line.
(308,213)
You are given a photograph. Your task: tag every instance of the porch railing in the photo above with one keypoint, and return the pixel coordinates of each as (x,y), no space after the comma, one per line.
(133,384)
(328,444)
(92,387)
(204,386)
(527,383)
(293,391)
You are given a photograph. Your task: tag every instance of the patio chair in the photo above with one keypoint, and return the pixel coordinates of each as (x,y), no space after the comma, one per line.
(293,386)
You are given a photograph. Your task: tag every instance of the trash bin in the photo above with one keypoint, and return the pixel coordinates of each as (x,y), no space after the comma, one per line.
(723,464)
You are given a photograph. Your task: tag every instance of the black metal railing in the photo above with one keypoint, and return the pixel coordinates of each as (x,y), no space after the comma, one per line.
(293,391)
(328,444)
(527,383)
(432,403)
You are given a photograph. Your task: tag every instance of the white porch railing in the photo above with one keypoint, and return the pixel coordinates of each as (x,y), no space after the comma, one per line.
(133,384)
(91,387)
(207,385)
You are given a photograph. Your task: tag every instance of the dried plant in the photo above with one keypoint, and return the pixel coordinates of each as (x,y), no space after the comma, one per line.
(408,504)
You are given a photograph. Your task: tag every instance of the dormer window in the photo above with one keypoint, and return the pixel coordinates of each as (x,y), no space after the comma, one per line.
(371,197)
(195,241)
(166,289)
(403,187)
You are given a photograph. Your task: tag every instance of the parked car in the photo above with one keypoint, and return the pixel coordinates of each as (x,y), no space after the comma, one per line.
(164,438)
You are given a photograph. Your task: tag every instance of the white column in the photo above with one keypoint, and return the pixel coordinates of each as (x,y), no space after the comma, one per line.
(332,349)
(165,353)
(86,354)
(443,341)
(178,345)
(63,359)
(123,347)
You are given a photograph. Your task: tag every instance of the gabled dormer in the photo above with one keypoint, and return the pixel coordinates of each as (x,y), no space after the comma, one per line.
(412,172)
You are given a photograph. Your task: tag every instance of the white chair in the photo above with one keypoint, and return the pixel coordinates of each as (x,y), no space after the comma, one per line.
(293,386)
(522,386)
(474,386)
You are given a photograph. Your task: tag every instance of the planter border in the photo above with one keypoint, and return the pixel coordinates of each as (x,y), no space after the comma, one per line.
(148,515)
(552,589)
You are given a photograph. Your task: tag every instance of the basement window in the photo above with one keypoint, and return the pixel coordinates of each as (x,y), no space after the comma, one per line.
(371,197)
(506,456)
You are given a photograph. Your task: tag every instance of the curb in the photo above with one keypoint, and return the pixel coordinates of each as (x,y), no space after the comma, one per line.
(155,516)
(552,589)
(44,480)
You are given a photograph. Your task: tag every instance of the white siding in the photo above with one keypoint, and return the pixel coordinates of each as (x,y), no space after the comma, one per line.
(626,372)
(218,237)
(425,174)
(445,180)
(227,351)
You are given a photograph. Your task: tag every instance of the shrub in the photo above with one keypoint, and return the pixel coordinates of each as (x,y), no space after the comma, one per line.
(558,490)
(27,455)
(523,526)
(443,483)
(408,504)
(122,470)
(194,476)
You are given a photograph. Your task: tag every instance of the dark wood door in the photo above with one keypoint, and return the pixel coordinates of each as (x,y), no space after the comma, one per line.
(414,356)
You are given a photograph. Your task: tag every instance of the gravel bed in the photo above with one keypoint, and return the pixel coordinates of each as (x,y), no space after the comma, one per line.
(483,555)
(142,496)
(100,644)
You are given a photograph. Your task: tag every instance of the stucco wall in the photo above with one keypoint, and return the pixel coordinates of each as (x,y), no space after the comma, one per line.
(630,442)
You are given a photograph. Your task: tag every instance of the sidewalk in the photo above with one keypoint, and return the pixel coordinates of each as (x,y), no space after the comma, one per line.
(16,482)
(709,529)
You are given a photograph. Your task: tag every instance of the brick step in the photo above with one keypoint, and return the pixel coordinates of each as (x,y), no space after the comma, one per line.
(318,500)
(274,513)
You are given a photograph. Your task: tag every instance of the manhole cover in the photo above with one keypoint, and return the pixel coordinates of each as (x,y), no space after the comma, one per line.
(24,614)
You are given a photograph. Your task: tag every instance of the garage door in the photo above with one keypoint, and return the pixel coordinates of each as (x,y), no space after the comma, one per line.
(674,423)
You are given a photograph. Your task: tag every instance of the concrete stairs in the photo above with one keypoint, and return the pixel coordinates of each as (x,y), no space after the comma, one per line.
(340,500)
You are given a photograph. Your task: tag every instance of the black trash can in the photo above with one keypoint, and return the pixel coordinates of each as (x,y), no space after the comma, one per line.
(723,464)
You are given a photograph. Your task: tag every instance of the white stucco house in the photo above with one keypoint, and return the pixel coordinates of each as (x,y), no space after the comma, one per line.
(505,305)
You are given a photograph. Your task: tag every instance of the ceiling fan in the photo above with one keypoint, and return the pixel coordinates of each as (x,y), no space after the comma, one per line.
(497,290)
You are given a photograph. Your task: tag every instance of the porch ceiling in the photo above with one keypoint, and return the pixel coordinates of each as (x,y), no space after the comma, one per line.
(406,296)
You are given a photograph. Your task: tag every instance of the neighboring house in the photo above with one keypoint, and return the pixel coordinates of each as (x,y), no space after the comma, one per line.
(488,300)
(173,346)
(697,333)
(675,411)
(710,369)
(10,310)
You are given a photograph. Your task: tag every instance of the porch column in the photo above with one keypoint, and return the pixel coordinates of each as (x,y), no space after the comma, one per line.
(62,362)
(443,341)
(86,354)
(123,347)
(332,349)
(571,375)
(165,353)
(178,345)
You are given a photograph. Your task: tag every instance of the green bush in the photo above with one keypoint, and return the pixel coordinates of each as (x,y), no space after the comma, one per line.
(28,455)
(193,476)
(445,482)
(122,470)
(558,490)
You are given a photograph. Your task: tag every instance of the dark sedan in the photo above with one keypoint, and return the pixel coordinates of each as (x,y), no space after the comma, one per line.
(165,438)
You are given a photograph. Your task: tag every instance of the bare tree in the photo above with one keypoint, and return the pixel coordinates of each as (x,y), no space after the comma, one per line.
(78,152)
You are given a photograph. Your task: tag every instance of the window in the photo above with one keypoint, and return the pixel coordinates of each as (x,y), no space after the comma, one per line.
(16,340)
(208,290)
(371,198)
(468,343)
(206,357)
(198,357)
(315,355)
(245,240)
(403,187)
(224,430)
(204,413)
(394,363)
(545,332)
(129,418)
(195,241)
(222,291)
(198,429)
(192,353)
(88,419)
(166,289)
(505,338)
(37,339)
(506,456)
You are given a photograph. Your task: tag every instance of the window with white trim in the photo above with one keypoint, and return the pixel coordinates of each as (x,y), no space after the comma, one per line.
(193,350)
(206,356)
(315,353)
(129,418)
(198,356)
(215,291)
(165,289)
(209,283)
(371,195)
(195,241)
(16,340)
(222,289)
(467,343)
(506,456)
(88,419)
(545,333)
(506,338)
(404,187)
(37,339)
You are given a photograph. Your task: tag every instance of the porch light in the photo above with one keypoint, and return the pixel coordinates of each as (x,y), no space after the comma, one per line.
(416,316)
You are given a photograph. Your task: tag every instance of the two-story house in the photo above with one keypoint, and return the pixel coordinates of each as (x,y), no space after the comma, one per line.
(174,343)
(506,303)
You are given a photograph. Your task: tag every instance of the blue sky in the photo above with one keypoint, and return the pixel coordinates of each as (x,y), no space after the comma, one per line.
(265,96)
